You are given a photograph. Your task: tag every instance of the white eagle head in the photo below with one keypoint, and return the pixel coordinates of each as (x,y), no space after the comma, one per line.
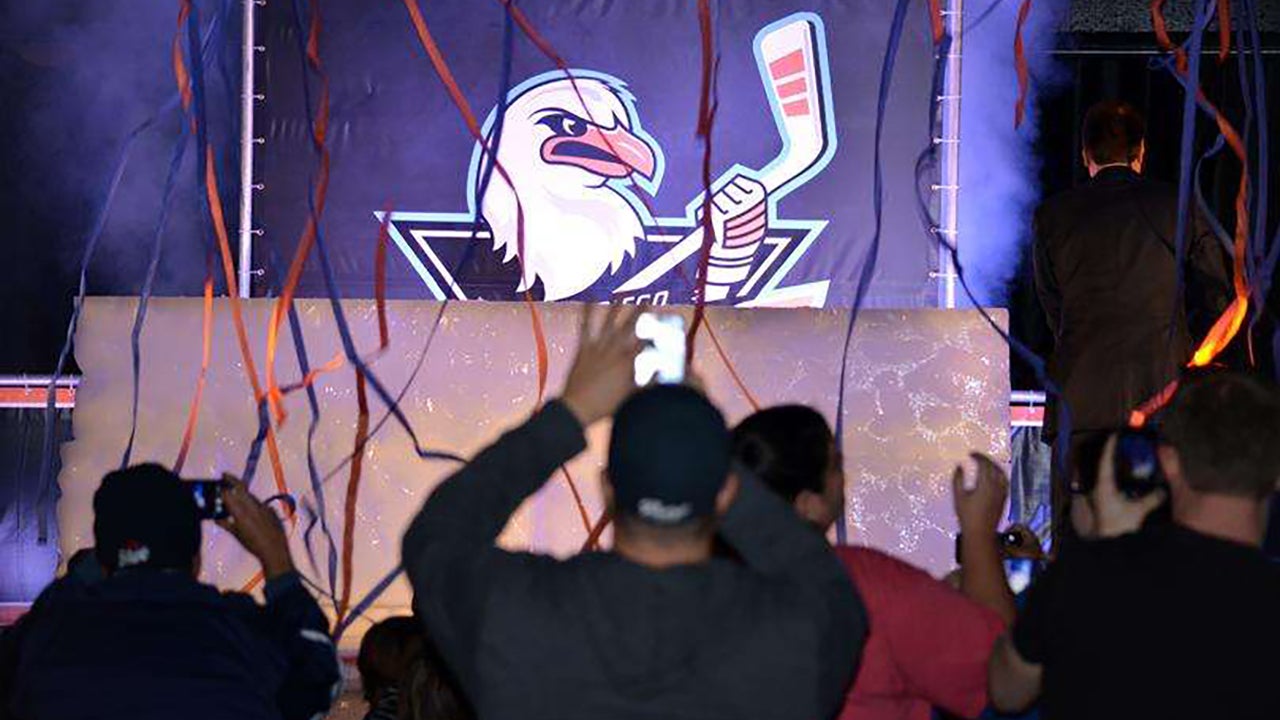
(569,149)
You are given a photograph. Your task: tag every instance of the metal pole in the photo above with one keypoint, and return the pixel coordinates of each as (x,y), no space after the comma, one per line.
(246,149)
(949,183)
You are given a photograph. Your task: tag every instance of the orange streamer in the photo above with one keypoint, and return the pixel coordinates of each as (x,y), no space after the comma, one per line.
(353,491)
(593,539)
(441,66)
(1020,65)
(577,499)
(1224,30)
(319,138)
(733,371)
(1229,323)
(935,20)
(380,279)
(706,119)
(206,351)
(228,264)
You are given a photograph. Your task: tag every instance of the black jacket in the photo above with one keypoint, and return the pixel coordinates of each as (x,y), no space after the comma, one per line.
(149,644)
(598,637)
(1107,280)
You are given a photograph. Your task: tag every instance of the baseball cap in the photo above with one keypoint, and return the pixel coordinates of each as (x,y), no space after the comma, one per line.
(143,516)
(669,455)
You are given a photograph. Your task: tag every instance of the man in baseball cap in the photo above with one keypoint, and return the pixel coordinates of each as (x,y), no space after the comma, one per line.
(658,627)
(143,516)
(148,640)
(669,457)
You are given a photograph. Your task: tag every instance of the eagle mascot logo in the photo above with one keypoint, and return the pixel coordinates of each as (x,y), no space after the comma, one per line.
(569,215)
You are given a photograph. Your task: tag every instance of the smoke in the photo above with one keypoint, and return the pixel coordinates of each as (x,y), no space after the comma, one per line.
(999,171)
(81,76)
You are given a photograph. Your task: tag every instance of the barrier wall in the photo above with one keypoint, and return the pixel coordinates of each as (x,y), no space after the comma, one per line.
(924,388)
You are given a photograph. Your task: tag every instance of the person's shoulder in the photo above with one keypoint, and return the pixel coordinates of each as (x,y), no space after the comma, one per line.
(1157,193)
(879,570)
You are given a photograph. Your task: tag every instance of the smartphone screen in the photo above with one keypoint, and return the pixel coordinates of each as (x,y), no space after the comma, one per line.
(1019,571)
(208,497)
(663,355)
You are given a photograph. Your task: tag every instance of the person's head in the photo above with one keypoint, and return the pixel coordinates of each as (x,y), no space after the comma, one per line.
(386,652)
(792,450)
(668,478)
(429,690)
(1113,133)
(1221,437)
(144,517)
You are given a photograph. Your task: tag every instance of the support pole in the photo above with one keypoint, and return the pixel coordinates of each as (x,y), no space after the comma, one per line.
(247,98)
(948,186)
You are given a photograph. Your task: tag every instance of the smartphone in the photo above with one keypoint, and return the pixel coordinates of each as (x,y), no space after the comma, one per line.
(662,358)
(1019,572)
(1137,463)
(1007,541)
(208,497)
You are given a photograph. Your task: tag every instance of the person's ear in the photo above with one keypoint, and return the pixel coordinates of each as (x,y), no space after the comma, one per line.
(813,508)
(1171,464)
(1140,161)
(728,493)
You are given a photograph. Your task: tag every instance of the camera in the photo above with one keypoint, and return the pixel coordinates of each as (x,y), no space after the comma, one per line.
(1136,463)
(207,495)
(1007,541)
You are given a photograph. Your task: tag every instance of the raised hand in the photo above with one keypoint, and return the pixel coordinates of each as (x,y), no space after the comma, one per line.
(1114,513)
(256,527)
(980,504)
(603,374)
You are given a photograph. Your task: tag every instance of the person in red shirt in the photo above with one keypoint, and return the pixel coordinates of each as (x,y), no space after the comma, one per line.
(929,643)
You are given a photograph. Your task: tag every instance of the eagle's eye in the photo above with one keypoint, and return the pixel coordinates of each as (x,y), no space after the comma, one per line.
(565,124)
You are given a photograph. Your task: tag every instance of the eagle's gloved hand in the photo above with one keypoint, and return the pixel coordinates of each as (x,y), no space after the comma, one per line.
(739,221)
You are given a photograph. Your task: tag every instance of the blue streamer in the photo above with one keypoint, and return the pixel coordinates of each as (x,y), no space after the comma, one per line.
(47,481)
(363,606)
(1189,116)
(148,286)
(404,390)
(317,488)
(335,303)
(873,251)
(927,159)
(1207,212)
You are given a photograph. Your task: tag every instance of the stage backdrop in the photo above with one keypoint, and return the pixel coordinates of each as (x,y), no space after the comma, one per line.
(924,389)
(607,168)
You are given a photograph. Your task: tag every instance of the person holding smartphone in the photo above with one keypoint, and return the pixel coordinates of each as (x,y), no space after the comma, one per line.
(149,640)
(1162,619)
(658,627)
(929,642)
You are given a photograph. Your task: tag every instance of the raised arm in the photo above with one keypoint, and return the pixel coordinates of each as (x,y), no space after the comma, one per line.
(978,509)
(448,550)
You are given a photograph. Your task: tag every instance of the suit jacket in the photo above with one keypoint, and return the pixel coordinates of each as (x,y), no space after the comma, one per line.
(1106,274)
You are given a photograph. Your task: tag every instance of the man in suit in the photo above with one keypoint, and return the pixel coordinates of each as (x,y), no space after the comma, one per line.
(1106,273)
